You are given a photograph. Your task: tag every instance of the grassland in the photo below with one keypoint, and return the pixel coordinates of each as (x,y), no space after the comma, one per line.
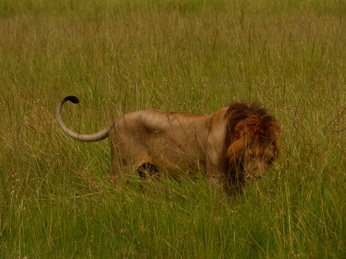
(185,55)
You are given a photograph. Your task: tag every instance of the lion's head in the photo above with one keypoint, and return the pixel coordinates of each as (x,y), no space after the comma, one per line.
(251,141)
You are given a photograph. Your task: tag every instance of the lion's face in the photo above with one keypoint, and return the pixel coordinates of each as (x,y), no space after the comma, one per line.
(257,158)
(254,144)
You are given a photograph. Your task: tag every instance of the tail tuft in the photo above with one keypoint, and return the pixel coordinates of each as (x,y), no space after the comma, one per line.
(71,98)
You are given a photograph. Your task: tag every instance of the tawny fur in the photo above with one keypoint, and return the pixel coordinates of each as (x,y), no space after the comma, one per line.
(227,146)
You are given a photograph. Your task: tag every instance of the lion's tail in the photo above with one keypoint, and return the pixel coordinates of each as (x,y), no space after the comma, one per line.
(81,137)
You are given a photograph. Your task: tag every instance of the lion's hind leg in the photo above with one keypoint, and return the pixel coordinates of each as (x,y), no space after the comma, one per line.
(148,170)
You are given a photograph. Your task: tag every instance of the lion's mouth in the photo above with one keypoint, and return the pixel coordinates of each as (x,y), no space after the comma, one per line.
(253,177)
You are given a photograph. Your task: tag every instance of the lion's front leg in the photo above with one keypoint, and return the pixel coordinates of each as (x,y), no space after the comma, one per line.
(219,177)
(217,182)
(223,183)
(215,177)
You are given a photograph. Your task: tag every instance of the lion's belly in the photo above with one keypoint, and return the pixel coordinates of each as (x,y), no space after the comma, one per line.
(185,156)
(177,158)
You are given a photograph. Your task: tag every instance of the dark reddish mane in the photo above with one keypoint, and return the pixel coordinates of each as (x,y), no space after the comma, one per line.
(259,123)
(250,124)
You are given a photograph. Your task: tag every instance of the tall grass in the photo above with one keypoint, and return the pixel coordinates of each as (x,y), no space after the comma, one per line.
(187,55)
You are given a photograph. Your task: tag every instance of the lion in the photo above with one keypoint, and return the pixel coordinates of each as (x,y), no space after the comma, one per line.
(234,144)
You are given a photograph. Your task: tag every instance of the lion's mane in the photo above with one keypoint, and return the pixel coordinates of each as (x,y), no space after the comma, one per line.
(249,126)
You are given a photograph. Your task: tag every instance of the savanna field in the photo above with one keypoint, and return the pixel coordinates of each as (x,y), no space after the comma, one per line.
(56,200)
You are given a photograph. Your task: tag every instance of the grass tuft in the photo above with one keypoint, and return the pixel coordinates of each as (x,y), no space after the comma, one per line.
(56,199)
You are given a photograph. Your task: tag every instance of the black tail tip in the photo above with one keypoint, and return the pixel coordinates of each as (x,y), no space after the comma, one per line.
(72,98)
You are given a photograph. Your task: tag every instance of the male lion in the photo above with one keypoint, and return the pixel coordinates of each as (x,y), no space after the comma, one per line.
(234,143)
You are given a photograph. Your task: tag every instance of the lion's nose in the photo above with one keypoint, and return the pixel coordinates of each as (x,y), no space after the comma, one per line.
(258,171)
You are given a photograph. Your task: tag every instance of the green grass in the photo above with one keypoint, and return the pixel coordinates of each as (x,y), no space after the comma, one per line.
(187,55)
